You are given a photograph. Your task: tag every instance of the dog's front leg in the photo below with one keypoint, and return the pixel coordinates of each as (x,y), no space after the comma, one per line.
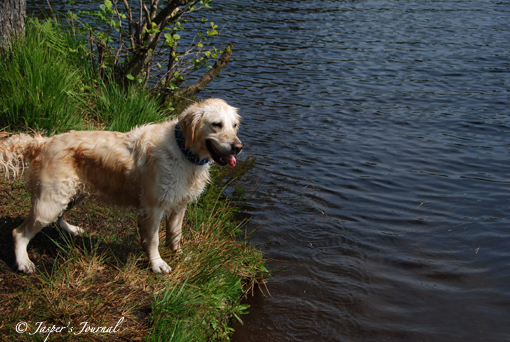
(174,228)
(149,227)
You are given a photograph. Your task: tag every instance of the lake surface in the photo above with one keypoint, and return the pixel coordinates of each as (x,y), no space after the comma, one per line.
(383,132)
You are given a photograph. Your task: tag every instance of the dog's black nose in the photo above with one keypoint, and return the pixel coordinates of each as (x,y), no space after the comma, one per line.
(237,147)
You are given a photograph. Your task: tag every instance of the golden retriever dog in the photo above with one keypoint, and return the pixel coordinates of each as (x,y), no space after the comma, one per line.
(156,168)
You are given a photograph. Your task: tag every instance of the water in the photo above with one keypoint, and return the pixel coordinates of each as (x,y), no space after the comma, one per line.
(383,129)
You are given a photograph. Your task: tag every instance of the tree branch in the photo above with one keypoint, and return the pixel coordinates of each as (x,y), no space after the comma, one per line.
(210,75)
(169,9)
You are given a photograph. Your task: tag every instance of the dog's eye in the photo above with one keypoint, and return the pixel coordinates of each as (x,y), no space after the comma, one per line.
(235,126)
(217,124)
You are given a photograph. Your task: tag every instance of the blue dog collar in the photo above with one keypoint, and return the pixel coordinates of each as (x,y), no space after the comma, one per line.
(192,157)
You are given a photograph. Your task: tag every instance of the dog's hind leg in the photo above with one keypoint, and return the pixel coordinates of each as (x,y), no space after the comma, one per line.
(21,237)
(49,199)
(73,230)
(41,214)
(148,223)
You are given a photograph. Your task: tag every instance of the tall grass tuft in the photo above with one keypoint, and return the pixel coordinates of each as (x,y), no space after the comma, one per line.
(121,109)
(41,81)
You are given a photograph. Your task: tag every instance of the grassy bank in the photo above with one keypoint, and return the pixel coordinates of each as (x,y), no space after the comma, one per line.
(99,286)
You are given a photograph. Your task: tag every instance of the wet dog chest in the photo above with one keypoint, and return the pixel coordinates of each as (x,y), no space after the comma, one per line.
(180,190)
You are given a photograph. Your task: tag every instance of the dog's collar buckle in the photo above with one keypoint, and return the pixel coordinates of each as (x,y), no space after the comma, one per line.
(190,155)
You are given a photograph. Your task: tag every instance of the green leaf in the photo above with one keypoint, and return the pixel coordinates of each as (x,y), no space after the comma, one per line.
(238,318)
(130,77)
(243,307)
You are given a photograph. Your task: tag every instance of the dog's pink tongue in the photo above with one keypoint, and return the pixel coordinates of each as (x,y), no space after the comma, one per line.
(230,160)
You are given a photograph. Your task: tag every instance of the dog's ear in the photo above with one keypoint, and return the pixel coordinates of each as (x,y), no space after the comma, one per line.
(189,122)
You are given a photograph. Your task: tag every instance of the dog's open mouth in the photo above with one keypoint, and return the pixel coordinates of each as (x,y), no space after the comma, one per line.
(220,158)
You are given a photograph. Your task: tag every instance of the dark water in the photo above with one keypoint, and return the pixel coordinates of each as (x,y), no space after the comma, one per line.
(383,128)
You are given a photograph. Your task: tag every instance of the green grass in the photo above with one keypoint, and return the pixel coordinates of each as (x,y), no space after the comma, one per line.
(46,85)
(121,109)
(42,82)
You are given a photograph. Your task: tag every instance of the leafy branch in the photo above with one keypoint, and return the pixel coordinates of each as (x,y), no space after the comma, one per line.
(143,44)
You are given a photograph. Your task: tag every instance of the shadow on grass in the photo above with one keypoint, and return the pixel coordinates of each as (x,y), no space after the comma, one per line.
(6,246)
(120,239)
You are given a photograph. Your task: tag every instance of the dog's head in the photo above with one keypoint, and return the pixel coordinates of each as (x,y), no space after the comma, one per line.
(210,130)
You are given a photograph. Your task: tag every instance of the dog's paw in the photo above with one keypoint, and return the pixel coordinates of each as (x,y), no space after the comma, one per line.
(73,230)
(159,266)
(25,266)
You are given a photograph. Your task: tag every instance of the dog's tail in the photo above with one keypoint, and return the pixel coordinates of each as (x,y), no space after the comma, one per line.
(17,150)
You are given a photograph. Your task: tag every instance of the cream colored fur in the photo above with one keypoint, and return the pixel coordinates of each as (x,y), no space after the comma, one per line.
(143,168)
